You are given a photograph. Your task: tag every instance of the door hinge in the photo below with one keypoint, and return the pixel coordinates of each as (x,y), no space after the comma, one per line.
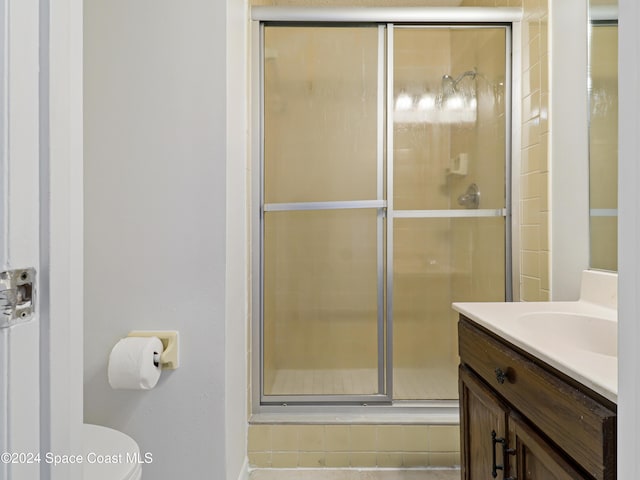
(17,296)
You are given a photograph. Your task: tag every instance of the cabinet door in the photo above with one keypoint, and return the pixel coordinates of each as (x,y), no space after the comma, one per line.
(483,416)
(537,459)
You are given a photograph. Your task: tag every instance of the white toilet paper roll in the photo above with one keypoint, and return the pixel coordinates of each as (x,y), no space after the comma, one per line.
(131,363)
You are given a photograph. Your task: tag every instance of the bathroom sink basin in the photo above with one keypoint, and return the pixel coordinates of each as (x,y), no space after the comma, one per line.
(569,330)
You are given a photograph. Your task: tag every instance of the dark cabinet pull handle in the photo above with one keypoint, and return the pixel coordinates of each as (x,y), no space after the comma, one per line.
(501,375)
(505,451)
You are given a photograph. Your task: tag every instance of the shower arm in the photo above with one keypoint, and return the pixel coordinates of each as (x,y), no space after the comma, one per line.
(469,73)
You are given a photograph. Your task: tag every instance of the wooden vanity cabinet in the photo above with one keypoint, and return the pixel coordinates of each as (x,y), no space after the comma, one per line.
(521,419)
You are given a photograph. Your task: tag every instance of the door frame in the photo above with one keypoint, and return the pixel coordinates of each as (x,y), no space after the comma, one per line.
(19,202)
(41,49)
(63,179)
(628,239)
(438,411)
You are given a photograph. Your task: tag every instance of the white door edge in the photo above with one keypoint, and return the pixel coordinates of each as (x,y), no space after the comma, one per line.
(41,185)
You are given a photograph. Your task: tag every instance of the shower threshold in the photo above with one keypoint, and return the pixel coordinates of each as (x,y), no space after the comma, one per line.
(409,383)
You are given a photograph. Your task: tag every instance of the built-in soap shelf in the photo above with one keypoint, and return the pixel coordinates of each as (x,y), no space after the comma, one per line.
(459,165)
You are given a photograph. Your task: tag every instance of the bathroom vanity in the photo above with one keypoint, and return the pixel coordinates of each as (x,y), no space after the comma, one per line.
(538,390)
(520,415)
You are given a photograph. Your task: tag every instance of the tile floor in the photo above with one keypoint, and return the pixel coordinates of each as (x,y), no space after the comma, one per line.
(354,474)
(408,383)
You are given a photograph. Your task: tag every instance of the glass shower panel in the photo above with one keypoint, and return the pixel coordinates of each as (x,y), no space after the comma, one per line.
(321,303)
(449,195)
(425,364)
(320,114)
(438,261)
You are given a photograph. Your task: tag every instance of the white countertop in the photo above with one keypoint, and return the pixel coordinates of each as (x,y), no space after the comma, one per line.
(596,371)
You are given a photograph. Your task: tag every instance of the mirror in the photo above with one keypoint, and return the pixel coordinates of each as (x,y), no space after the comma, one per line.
(603,134)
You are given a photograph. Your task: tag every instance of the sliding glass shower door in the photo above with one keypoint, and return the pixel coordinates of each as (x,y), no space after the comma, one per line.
(323,208)
(384,199)
(449,194)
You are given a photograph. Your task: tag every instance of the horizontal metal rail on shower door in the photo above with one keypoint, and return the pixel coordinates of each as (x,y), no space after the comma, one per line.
(385,15)
(345,205)
(603,212)
(457,213)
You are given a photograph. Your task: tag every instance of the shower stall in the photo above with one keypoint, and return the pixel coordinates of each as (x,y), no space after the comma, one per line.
(383,197)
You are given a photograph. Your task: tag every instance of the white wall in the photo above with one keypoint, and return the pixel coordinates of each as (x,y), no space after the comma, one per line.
(155,236)
(237,281)
(569,189)
(628,240)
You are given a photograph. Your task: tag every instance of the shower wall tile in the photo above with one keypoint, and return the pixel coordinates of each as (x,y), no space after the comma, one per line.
(531,79)
(534,204)
(337,438)
(530,289)
(543,232)
(290,446)
(260,438)
(389,437)
(285,437)
(530,237)
(530,214)
(363,438)
(260,458)
(533,159)
(337,459)
(531,132)
(544,277)
(530,185)
(390,460)
(415,459)
(531,105)
(531,264)
(284,459)
(544,191)
(363,459)
(441,459)
(416,438)
(312,459)
(311,438)
(544,112)
(443,438)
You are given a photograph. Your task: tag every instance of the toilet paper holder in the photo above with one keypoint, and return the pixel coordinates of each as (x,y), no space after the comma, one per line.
(169,359)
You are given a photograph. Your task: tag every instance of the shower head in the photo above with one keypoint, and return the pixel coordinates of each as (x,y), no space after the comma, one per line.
(449,84)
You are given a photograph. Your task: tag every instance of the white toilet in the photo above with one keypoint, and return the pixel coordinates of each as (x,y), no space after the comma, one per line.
(109,455)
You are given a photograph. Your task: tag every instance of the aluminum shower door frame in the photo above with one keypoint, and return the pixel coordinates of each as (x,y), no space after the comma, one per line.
(383,393)
(387,19)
